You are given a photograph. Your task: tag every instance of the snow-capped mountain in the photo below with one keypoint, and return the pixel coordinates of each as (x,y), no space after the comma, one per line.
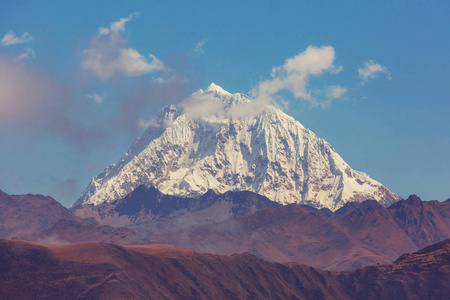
(223,141)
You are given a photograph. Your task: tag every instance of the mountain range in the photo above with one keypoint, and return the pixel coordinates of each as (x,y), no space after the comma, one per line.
(356,235)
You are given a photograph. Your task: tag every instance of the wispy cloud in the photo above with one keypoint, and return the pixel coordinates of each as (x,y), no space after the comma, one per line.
(335,91)
(370,70)
(146,94)
(202,105)
(145,124)
(11,39)
(118,26)
(330,94)
(198,48)
(27,54)
(22,90)
(96,97)
(34,101)
(294,74)
(108,54)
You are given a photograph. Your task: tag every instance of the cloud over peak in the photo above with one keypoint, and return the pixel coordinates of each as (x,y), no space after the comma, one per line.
(108,55)
(11,39)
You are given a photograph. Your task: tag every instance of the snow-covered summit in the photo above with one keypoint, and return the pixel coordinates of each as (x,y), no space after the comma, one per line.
(267,152)
(214,88)
(218,94)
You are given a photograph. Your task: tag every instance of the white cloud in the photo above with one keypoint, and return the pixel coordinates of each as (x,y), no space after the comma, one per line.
(330,94)
(198,48)
(118,26)
(146,124)
(200,105)
(336,91)
(203,105)
(371,70)
(132,63)
(96,97)
(108,55)
(27,54)
(11,39)
(294,74)
(103,31)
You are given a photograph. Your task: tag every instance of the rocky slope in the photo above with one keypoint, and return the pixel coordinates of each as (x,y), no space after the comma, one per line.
(234,147)
(151,212)
(105,271)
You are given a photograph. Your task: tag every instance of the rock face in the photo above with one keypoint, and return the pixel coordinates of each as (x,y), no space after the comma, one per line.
(151,213)
(265,151)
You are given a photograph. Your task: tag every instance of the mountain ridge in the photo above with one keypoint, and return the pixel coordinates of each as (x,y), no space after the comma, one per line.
(101,270)
(349,238)
(42,218)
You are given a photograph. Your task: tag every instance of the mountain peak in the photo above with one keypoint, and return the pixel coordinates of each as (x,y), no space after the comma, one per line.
(229,100)
(266,152)
(166,115)
(214,88)
(414,199)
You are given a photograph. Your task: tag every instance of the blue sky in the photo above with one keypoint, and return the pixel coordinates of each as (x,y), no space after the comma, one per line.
(77,80)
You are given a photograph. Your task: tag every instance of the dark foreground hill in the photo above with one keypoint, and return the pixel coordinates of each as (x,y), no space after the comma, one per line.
(106,271)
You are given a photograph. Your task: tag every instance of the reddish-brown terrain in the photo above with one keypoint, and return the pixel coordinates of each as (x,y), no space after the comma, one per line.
(424,222)
(106,271)
(354,236)
(42,218)
(365,235)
